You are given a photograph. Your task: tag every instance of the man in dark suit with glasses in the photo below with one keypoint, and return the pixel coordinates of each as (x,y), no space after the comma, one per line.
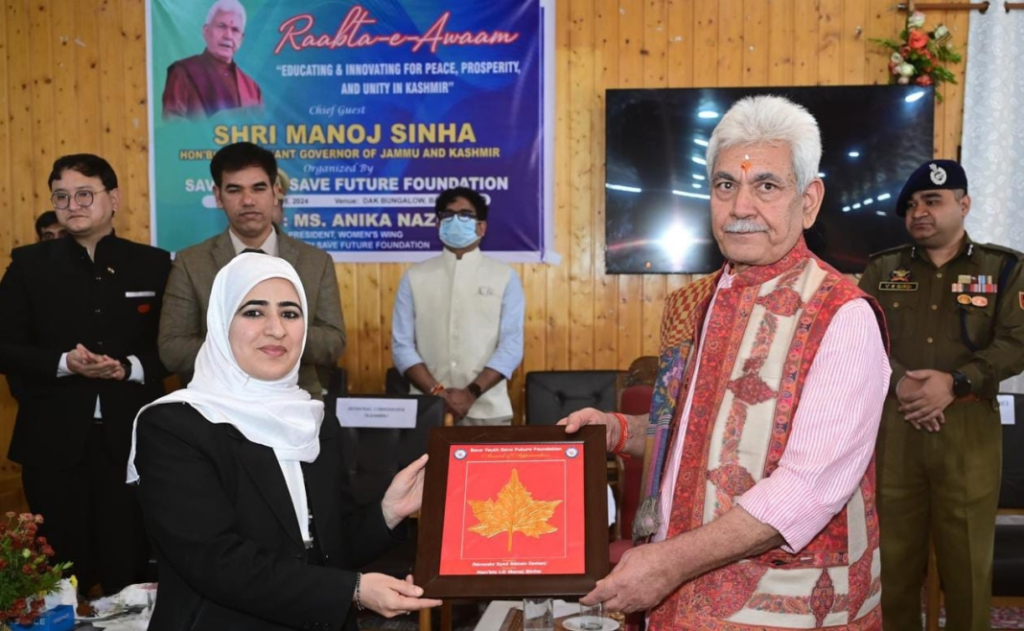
(78,328)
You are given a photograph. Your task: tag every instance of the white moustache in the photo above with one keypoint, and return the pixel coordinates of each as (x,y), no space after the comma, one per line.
(744,226)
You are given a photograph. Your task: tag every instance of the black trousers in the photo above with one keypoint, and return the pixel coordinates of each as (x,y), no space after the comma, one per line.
(92,518)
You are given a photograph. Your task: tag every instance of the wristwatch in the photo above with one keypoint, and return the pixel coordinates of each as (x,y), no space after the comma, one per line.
(127,366)
(475,389)
(961,384)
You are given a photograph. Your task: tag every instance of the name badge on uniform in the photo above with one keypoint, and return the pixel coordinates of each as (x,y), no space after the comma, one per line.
(899,280)
(140,294)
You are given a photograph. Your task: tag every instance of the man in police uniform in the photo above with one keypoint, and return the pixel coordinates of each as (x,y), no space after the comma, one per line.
(78,327)
(955,313)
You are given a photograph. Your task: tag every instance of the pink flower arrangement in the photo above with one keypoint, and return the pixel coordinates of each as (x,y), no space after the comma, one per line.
(25,571)
(918,54)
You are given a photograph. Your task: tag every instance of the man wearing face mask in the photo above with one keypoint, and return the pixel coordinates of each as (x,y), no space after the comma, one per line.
(458,319)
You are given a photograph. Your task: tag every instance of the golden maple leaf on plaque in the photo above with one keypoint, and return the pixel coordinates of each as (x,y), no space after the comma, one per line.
(515,511)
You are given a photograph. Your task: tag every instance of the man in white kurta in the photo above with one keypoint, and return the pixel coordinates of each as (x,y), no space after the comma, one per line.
(457,329)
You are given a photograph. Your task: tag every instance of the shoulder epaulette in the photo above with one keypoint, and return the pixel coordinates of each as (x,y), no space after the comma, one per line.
(1004,250)
(894,250)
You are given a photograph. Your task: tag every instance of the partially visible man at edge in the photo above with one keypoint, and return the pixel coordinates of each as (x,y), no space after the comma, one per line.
(244,177)
(204,84)
(760,482)
(78,327)
(955,310)
(48,226)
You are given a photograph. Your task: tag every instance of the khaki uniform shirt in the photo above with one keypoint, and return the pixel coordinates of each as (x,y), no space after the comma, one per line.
(960,316)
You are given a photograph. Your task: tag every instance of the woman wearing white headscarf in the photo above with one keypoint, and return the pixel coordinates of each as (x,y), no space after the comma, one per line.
(239,479)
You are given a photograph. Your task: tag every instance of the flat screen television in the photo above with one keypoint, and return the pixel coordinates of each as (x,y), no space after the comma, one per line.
(656,186)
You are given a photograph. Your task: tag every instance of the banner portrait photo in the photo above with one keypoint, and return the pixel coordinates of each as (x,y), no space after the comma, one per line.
(372,109)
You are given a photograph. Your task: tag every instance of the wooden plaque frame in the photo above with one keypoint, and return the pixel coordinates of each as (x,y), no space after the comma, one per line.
(590,440)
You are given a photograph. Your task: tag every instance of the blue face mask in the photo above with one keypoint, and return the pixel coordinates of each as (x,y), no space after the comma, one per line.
(456,233)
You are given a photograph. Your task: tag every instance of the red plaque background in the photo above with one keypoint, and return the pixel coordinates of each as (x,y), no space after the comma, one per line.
(548,471)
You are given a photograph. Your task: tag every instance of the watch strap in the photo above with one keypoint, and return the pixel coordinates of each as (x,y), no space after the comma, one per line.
(127,366)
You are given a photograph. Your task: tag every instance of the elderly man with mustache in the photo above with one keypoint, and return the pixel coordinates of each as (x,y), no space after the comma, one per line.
(204,84)
(759,443)
(955,312)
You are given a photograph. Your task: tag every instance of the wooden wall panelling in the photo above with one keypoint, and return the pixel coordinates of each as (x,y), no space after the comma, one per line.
(681,34)
(110,41)
(518,380)
(830,24)
(782,33)
(958,23)
(65,106)
(22,155)
(705,48)
(89,85)
(853,42)
(369,369)
(631,69)
(881,22)
(7,230)
(655,65)
(939,132)
(390,277)
(43,127)
(755,42)
(682,44)
(347,288)
(558,299)
(606,75)
(806,44)
(135,169)
(582,104)
(730,44)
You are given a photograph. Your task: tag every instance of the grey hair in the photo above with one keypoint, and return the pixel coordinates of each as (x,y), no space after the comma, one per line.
(226,6)
(757,120)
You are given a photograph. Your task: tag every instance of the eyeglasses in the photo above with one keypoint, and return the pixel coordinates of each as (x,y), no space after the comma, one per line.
(84,198)
(463,215)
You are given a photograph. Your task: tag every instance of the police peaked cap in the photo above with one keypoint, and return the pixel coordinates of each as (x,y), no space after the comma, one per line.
(930,176)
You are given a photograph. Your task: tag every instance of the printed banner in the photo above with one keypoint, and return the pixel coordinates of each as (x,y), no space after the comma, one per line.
(372,109)
(514,510)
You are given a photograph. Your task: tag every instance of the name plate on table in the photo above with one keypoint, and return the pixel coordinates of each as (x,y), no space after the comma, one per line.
(377,413)
(1006,411)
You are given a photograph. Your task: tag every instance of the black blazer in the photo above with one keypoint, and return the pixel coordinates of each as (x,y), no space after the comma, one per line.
(52,297)
(225,535)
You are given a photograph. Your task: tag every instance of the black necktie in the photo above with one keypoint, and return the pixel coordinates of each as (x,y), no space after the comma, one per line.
(256,250)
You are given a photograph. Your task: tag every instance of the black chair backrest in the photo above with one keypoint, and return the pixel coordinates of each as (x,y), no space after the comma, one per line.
(395,382)
(553,394)
(1011,494)
(372,456)
(337,385)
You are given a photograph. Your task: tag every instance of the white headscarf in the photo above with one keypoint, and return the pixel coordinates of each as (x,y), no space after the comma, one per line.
(278,414)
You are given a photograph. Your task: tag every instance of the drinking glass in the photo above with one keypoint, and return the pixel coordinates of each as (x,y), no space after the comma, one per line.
(538,614)
(591,618)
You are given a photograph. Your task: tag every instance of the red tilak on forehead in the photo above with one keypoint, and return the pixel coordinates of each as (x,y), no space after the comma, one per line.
(745,165)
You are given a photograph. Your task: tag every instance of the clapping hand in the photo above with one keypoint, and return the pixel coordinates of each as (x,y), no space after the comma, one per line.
(405,494)
(82,361)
